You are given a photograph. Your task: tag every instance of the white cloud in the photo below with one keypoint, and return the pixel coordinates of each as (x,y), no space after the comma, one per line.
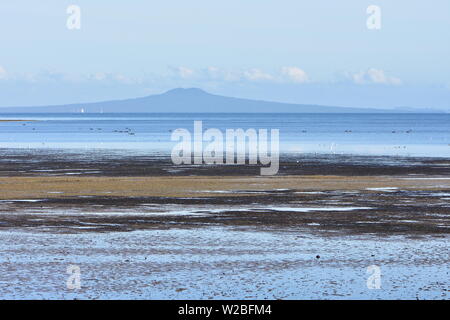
(187,76)
(295,74)
(254,74)
(215,73)
(3,73)
(375,76)
(180,72)
(257,75)
(43,76)
(52,76)
(114,77)
(99,76)
(286,74)
(184,72)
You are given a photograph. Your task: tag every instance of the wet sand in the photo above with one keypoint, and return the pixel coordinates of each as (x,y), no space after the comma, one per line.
(140,227)
(220,263)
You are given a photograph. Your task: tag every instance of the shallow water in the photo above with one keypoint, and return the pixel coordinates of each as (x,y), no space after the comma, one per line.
(221,263)
(373,134)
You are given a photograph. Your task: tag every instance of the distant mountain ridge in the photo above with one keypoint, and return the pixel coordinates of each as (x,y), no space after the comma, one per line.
(193,100)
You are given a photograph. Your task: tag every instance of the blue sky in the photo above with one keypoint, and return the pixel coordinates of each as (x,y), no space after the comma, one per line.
(316,52)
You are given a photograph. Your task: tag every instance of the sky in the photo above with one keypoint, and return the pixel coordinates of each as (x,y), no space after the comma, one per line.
(312,52)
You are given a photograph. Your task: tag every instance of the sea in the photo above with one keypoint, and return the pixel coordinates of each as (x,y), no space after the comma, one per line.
(426,135)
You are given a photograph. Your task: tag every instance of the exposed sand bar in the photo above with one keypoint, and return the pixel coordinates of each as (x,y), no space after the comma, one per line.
(211,186)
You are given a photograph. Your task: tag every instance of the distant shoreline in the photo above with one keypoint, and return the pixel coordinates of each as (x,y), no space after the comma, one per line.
(15,120)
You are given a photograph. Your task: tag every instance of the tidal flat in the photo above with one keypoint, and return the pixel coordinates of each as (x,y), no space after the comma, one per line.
(142,228)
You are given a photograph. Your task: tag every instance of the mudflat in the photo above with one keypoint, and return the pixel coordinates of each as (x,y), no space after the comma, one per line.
(114,191)
(140,227)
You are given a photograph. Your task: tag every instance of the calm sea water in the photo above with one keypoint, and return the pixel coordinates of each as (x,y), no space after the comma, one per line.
(376,134)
